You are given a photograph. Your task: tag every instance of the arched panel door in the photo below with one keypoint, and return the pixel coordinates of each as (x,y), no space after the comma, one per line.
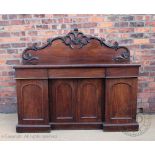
(62,100)
(121,100)
(33,101)
(89,98)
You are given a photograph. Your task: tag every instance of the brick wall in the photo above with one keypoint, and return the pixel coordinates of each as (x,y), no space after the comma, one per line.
(137,32)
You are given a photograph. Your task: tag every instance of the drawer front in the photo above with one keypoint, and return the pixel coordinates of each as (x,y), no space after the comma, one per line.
(31,74)
(77,73)
(122,72)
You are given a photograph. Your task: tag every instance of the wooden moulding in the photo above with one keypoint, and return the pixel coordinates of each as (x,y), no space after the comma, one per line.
(76,48)
(76,81)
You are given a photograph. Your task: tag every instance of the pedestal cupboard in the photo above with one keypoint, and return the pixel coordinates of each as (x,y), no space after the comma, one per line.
(76,82)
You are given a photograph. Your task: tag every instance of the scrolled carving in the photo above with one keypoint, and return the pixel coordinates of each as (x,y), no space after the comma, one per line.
(28,57)
(124,56)
(74,39)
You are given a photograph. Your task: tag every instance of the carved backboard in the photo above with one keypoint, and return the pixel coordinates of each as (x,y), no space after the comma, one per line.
(76,48)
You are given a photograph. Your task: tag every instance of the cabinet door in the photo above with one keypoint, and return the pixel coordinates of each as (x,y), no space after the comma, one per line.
(121,100)
(62,100)
(89,96)
(32,96)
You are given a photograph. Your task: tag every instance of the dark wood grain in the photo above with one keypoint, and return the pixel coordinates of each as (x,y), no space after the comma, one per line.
(80,83)
(78,73)
(120,103)
(32,105)
(89,100)
(76,48)
(59,53)
(62,100)
(77,101)
(78,66)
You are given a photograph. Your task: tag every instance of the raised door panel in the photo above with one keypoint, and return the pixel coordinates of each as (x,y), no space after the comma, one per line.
(32,101)
(121,100)
(62,101)
(89,100)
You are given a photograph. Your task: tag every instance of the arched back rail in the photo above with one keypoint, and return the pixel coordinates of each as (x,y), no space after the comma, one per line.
(76,48)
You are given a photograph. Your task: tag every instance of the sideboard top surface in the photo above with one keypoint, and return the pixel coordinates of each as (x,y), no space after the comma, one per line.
(78,66)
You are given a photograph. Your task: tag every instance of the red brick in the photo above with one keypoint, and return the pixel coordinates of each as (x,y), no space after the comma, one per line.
(54,26)
(17,22)
(2,51)
(12,51)
(39,15)
(9,40)
(112,30)
(25,39)
(121,24)
(40,27)
(12,62)
(7,93)
(4,34)
(4,17)
(2,78)
(21,33)
(12,16)
(136,24)
(126,41)
(96,19)
(137,32)
(89,25)
(8,73)
(106,24)
(127,18)
(144,74)
(12,28)
(150,68)
(141,41)
(33,33)
(62,15)
(152,73)
(66,20)
(7,84)
(137,35)
(16,45)
(2,62)
(32,21)
(23,16)
(5,46)
(5,67)
(142,17)
(126,30)
(4,23)
(47,21)
(142,29)
(112,18)
(150,23)
(147,46)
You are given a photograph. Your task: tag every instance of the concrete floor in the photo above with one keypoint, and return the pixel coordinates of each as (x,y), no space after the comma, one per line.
(147,132)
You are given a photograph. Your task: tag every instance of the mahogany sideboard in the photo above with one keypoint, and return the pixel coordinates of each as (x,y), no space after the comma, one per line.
(76,81)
